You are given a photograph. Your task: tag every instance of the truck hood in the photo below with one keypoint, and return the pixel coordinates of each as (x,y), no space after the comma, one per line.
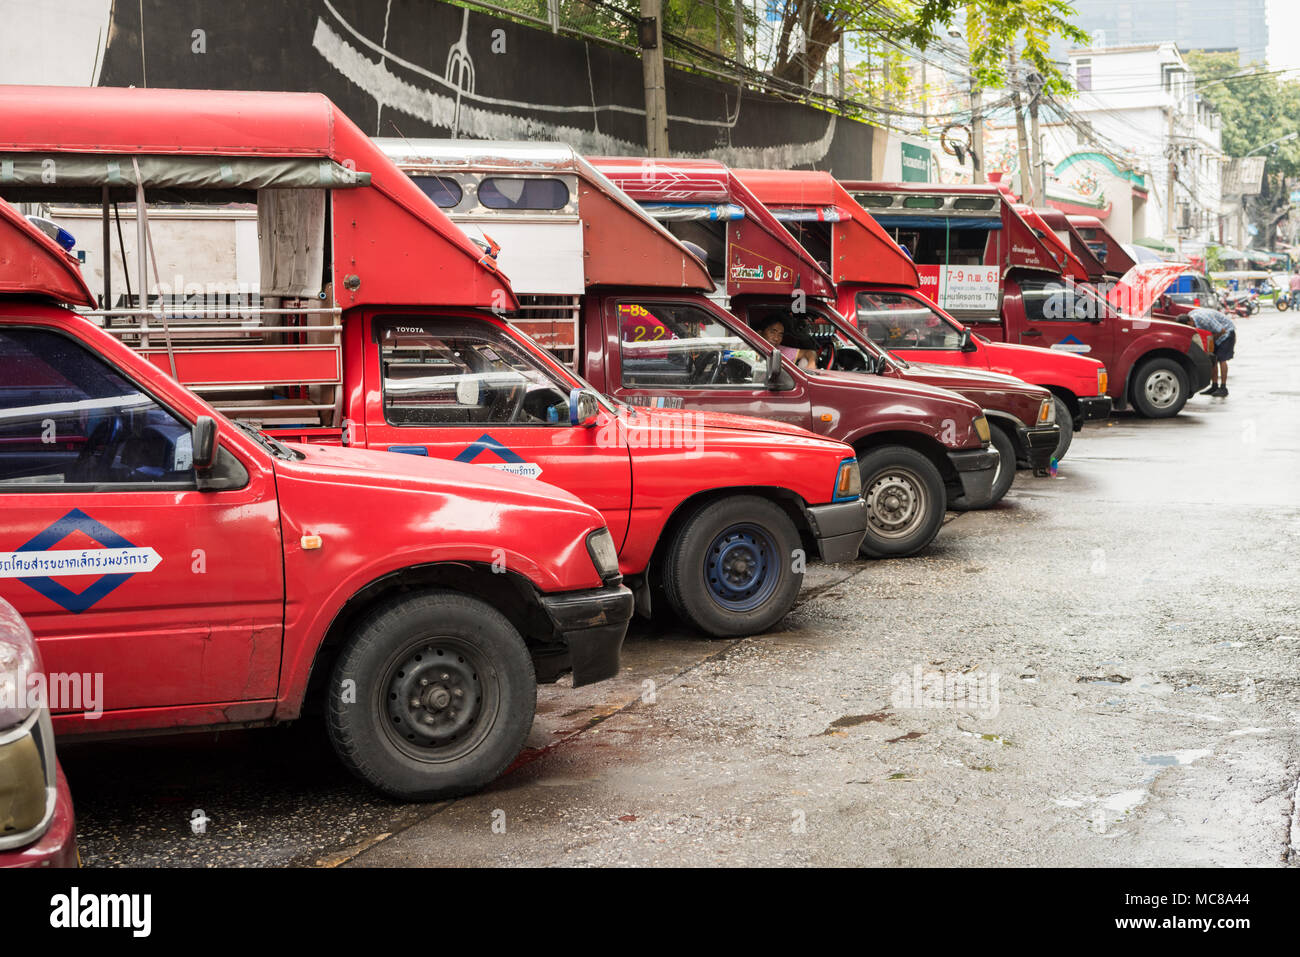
(417,473)
(1137,289)
(888,384)
(951,377)
(1084,364)
(651,418)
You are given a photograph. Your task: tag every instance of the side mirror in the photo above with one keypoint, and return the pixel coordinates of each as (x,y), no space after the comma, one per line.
(584,407)
(774,367)
(203,438)
(966,342)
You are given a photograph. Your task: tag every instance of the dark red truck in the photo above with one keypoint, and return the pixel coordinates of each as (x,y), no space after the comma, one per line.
(378,324)
(807,311)
(632,308)
(1024,296)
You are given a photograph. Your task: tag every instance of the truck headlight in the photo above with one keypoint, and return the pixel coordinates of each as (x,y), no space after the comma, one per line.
(600,546)
(982,429)
(1103,381)
(1047,412)
(848,481)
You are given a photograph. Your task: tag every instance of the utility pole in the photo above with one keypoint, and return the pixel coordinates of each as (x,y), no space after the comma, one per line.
(1021,136)
(1170,178)
(650,35)
(976,132)
(740,31)
(1039,177)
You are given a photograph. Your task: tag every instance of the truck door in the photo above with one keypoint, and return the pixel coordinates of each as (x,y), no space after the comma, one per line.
(1067,317)
(909,327)
(469,390)
(120,565)
(686,355)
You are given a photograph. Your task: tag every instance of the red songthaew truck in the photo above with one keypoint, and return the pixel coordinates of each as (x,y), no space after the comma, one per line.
(377,324)
(198,574)
(637,317)
(995,274)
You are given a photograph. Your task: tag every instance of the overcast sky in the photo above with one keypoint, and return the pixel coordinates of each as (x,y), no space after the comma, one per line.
(1283,34)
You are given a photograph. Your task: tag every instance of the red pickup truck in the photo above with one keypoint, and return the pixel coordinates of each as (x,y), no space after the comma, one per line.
(207,576)
(631,307)
(1006,282)
(376,325)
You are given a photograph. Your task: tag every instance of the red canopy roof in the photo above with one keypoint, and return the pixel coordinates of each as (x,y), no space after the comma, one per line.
(1070,264)
(861,250)
(392,245)
(757,246)
(31,263)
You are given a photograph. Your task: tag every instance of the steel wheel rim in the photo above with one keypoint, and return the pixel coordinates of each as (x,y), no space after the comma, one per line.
(1162,388)
(896,502)
(439,699)
(742,567)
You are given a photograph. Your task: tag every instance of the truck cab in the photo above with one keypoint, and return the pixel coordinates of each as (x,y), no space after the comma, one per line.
(1033,291)
(206,576)
(376,323)
(649,330)
(875,276)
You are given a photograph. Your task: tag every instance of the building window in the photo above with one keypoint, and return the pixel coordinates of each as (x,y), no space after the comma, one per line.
(1083,75)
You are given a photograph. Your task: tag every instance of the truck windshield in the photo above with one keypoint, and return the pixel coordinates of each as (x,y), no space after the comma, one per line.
(897,321)
(454,372)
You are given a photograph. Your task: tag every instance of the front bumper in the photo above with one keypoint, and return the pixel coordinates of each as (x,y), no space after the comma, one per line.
(1041,442)
(1093,407)
(839,529)
(1202,365)
(976,469)
(589,630)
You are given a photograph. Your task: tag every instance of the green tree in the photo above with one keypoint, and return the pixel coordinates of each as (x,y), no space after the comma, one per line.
(995,29)
(1256,108)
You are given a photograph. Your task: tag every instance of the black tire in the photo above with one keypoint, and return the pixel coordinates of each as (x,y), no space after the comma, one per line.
(730,569)
(431,646)
(906,501)
(1160,388)
(1282,303)
(1006,473)
(1254,306)
(1065,419)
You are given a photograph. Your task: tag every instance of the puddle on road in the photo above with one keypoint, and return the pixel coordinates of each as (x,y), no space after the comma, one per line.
(1175,758)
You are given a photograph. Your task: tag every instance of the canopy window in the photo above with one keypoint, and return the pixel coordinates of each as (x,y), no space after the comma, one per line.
(80,177)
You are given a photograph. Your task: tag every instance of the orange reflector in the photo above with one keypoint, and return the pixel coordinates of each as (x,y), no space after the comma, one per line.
(826,417)
(310,542)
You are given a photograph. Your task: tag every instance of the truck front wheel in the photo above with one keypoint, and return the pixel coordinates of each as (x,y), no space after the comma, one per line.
(732,567)
(1065,419)
(432,697)
(1002,479)
(1160,388)
(906,501)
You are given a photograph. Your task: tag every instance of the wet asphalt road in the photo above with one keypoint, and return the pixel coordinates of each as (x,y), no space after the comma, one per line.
(1121,651)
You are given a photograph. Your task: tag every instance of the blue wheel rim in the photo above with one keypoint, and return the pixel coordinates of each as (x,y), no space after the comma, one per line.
(742,567)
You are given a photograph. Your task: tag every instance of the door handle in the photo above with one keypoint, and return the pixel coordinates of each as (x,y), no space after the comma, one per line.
(1031,332)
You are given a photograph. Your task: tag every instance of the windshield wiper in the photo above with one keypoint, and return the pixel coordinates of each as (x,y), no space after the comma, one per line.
(274,446)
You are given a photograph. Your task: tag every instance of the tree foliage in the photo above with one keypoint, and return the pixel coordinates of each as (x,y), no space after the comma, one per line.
(994,28)
(1256,107)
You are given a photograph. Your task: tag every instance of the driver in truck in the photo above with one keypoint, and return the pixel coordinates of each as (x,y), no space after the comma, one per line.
(780,330)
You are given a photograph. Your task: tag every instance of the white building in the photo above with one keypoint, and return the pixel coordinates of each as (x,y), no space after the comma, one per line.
(1154,154)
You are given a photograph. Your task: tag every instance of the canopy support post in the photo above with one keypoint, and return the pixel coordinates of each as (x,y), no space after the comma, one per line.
(106,301)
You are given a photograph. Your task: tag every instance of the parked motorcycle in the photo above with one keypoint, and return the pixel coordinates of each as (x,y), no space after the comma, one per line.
(1241,302)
